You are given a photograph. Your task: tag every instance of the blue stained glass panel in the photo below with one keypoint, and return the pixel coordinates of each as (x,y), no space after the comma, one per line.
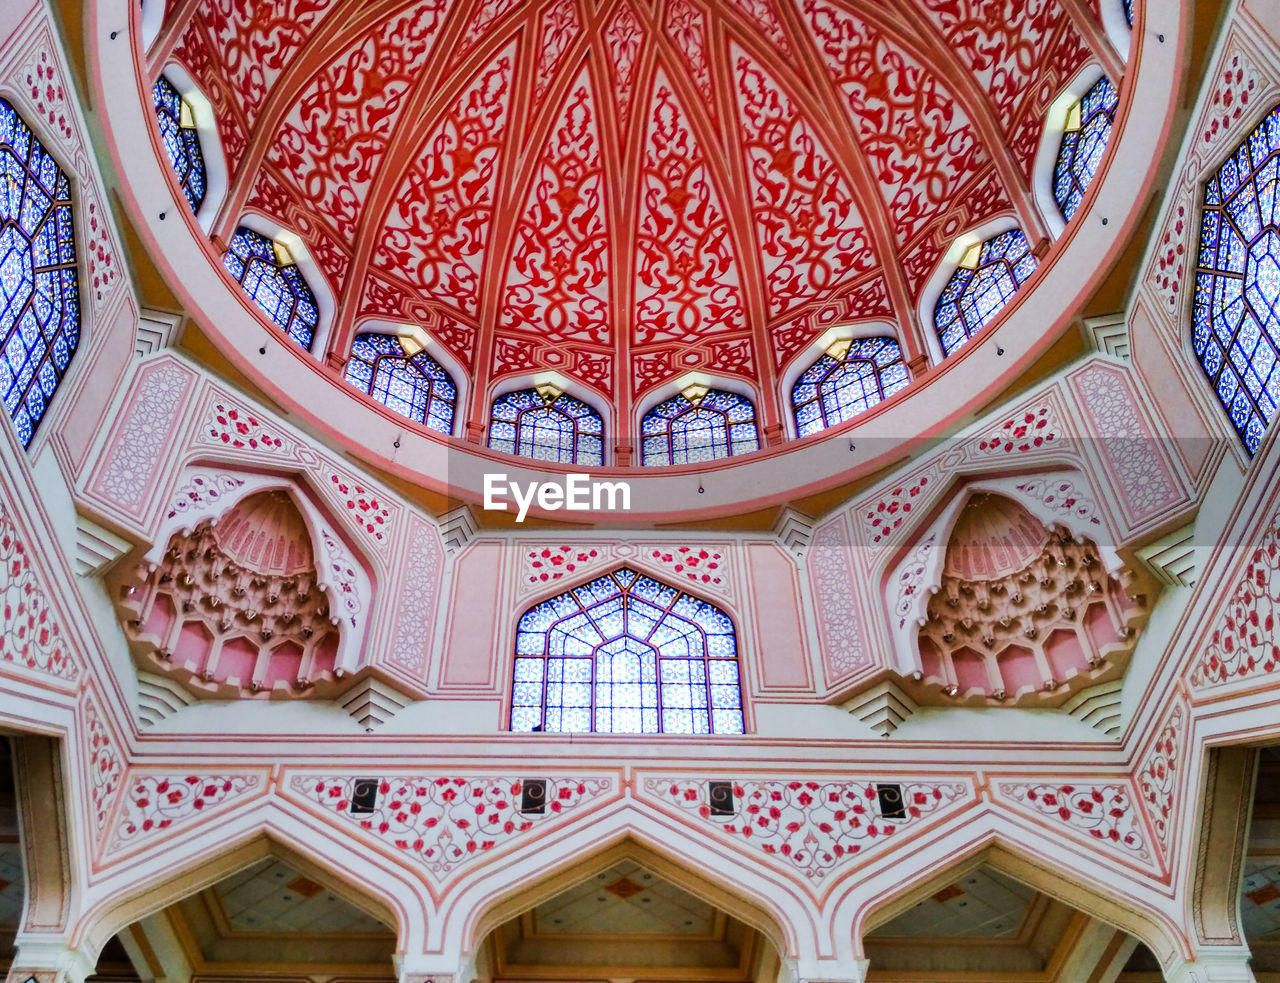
(278,289)
(972,298)
(836,388)
(685,431)
(416,385)
(181,143)
(558,429)
(648,659)
(1235,328)
(39,281)
(1080,153)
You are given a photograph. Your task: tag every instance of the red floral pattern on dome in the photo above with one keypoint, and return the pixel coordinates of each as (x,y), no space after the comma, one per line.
(686,278)
(686,26)
(332,141)
(436,234)
(558,284)
(920,144)
(557,29)
(623,39)
(810,232)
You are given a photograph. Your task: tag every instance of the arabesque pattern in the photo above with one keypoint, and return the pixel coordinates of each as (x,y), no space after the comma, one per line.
(627,193)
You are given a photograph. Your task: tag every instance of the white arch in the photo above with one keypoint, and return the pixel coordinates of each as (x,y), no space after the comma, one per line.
(1114,22)
(761,896)
(192,860)
(894,882)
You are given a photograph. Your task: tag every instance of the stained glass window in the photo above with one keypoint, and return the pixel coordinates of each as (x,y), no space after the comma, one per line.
(39,284)
(1128,11)
(273,281)
(547,425)
(181,141)
(1236,331)
(698,425)
(988,276)
(402,377)
(1083,143)
(849,377)
(625,654)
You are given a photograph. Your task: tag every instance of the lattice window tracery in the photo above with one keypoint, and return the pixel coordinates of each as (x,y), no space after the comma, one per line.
(626,654)
(848,378)
(403,377)
(181,141)
(1236,318)
(698,425)
(1084,141)
(268,274)
(547,425)
(988,276)
(39,283)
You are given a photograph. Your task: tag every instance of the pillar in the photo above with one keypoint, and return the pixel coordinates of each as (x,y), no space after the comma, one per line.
(48,960)
(1227,965)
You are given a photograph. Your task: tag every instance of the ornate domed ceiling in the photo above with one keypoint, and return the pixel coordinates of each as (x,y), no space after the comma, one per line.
(627,191)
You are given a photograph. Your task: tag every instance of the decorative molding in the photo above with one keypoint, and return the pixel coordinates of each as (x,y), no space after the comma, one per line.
(97,547)
(156,330)
(1108,334)
(814,825)
(372,702)
(458,527)
(795,530)
(159,697)
(158,801)
(103,761)
(883,707)
(1242,643)
(1171,559)
(441,822)
(1100,812)
(30,634)
(1157,775)
(1099,707)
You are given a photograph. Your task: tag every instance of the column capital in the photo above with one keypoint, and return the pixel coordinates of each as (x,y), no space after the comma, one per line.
(1213,966)
(48,960)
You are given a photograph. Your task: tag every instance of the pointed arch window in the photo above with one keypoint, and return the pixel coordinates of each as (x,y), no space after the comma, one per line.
(625,654)
(848,378)
(547,424)
(39,281)
(1084,141)
(181,141)
(1236,318)
(698,425)
(987,277)
(402,377)
(266,271)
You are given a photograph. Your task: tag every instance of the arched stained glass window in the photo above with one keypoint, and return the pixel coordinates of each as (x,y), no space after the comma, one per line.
(39,283)
(402,377)
(988,276)
(181,141)
(625,654)
(698,425)
(1084,141)
(547,425)
(273,281)
(1236,331)
(849,377)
